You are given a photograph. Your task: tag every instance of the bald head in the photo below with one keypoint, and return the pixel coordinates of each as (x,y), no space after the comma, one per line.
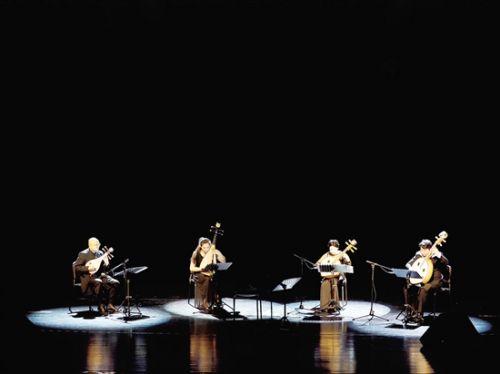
(94,245)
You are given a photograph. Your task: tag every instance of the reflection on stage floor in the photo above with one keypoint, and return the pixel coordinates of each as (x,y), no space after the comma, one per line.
(174,337)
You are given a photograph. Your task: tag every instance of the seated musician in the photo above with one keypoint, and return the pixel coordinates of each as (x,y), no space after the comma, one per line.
(329,294)
(93,281)
(415,295)
(202,268)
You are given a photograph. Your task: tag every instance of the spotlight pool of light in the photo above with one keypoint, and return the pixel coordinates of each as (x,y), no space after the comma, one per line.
(247,308)
(83,320)
(352,310)
(396,328)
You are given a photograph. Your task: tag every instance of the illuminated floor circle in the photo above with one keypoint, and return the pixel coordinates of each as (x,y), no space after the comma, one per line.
(396,328)
(61,319)
(353,309)
(247,308)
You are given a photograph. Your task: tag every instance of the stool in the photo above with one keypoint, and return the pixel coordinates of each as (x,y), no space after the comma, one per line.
(258,302)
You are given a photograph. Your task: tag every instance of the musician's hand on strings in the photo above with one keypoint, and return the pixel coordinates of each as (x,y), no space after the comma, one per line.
(91,269)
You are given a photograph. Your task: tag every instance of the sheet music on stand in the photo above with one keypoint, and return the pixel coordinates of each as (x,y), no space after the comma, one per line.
(407,309)
(134,270)
(341,268)
(286,284)
(405,273)
(223,265)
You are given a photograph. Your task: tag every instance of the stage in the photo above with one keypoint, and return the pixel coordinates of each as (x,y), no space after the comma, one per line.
(171,335)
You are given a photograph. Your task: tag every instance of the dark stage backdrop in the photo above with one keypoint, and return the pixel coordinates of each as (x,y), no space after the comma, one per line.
(143,124)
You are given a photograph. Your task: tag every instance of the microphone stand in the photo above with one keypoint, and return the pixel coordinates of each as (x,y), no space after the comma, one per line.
(372,314)
(302,261)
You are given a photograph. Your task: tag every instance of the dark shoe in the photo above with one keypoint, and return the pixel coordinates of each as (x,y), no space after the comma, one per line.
(419,319)
(334,308)
(204,310)
(102,310)
(415,320)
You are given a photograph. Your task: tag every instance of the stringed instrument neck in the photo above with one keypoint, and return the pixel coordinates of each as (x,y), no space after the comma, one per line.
(208,263)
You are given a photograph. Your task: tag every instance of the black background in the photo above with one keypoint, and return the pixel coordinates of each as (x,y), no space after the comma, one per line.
(143,124)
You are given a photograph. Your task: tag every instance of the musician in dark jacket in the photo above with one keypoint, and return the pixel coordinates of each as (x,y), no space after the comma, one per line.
(94,282)
(416,294)
(329,294)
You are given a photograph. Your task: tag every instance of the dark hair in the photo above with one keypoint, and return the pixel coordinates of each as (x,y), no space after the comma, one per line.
(203,240)
(425,243)
(334,242)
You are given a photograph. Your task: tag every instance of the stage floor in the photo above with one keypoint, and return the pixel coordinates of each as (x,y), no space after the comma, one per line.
(172,336)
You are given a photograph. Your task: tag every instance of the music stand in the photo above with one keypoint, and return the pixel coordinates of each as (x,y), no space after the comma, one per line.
(342,268)
(223,265)
(335,268)
(405,273)
(217,306)
(407,309)
(285,284)
(126,304)
(371,313)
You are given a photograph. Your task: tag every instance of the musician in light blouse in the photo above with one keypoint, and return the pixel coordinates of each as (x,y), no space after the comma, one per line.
(204,256)
(99,284)
(329,294)
(416,294)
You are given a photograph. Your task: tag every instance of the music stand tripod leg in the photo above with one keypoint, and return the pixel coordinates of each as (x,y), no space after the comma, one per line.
(284,320)
(125,305)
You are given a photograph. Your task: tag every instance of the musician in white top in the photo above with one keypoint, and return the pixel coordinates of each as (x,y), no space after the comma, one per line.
(329,294)
(92,281)
(416,294)
(202,267)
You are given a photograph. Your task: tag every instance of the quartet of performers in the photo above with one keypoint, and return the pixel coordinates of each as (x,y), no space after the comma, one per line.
(429,260)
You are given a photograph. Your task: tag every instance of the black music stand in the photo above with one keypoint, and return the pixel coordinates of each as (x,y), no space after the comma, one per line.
(371,313)
(334,268)
(126,305)
(217,306)
(284,285)
(407,309)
